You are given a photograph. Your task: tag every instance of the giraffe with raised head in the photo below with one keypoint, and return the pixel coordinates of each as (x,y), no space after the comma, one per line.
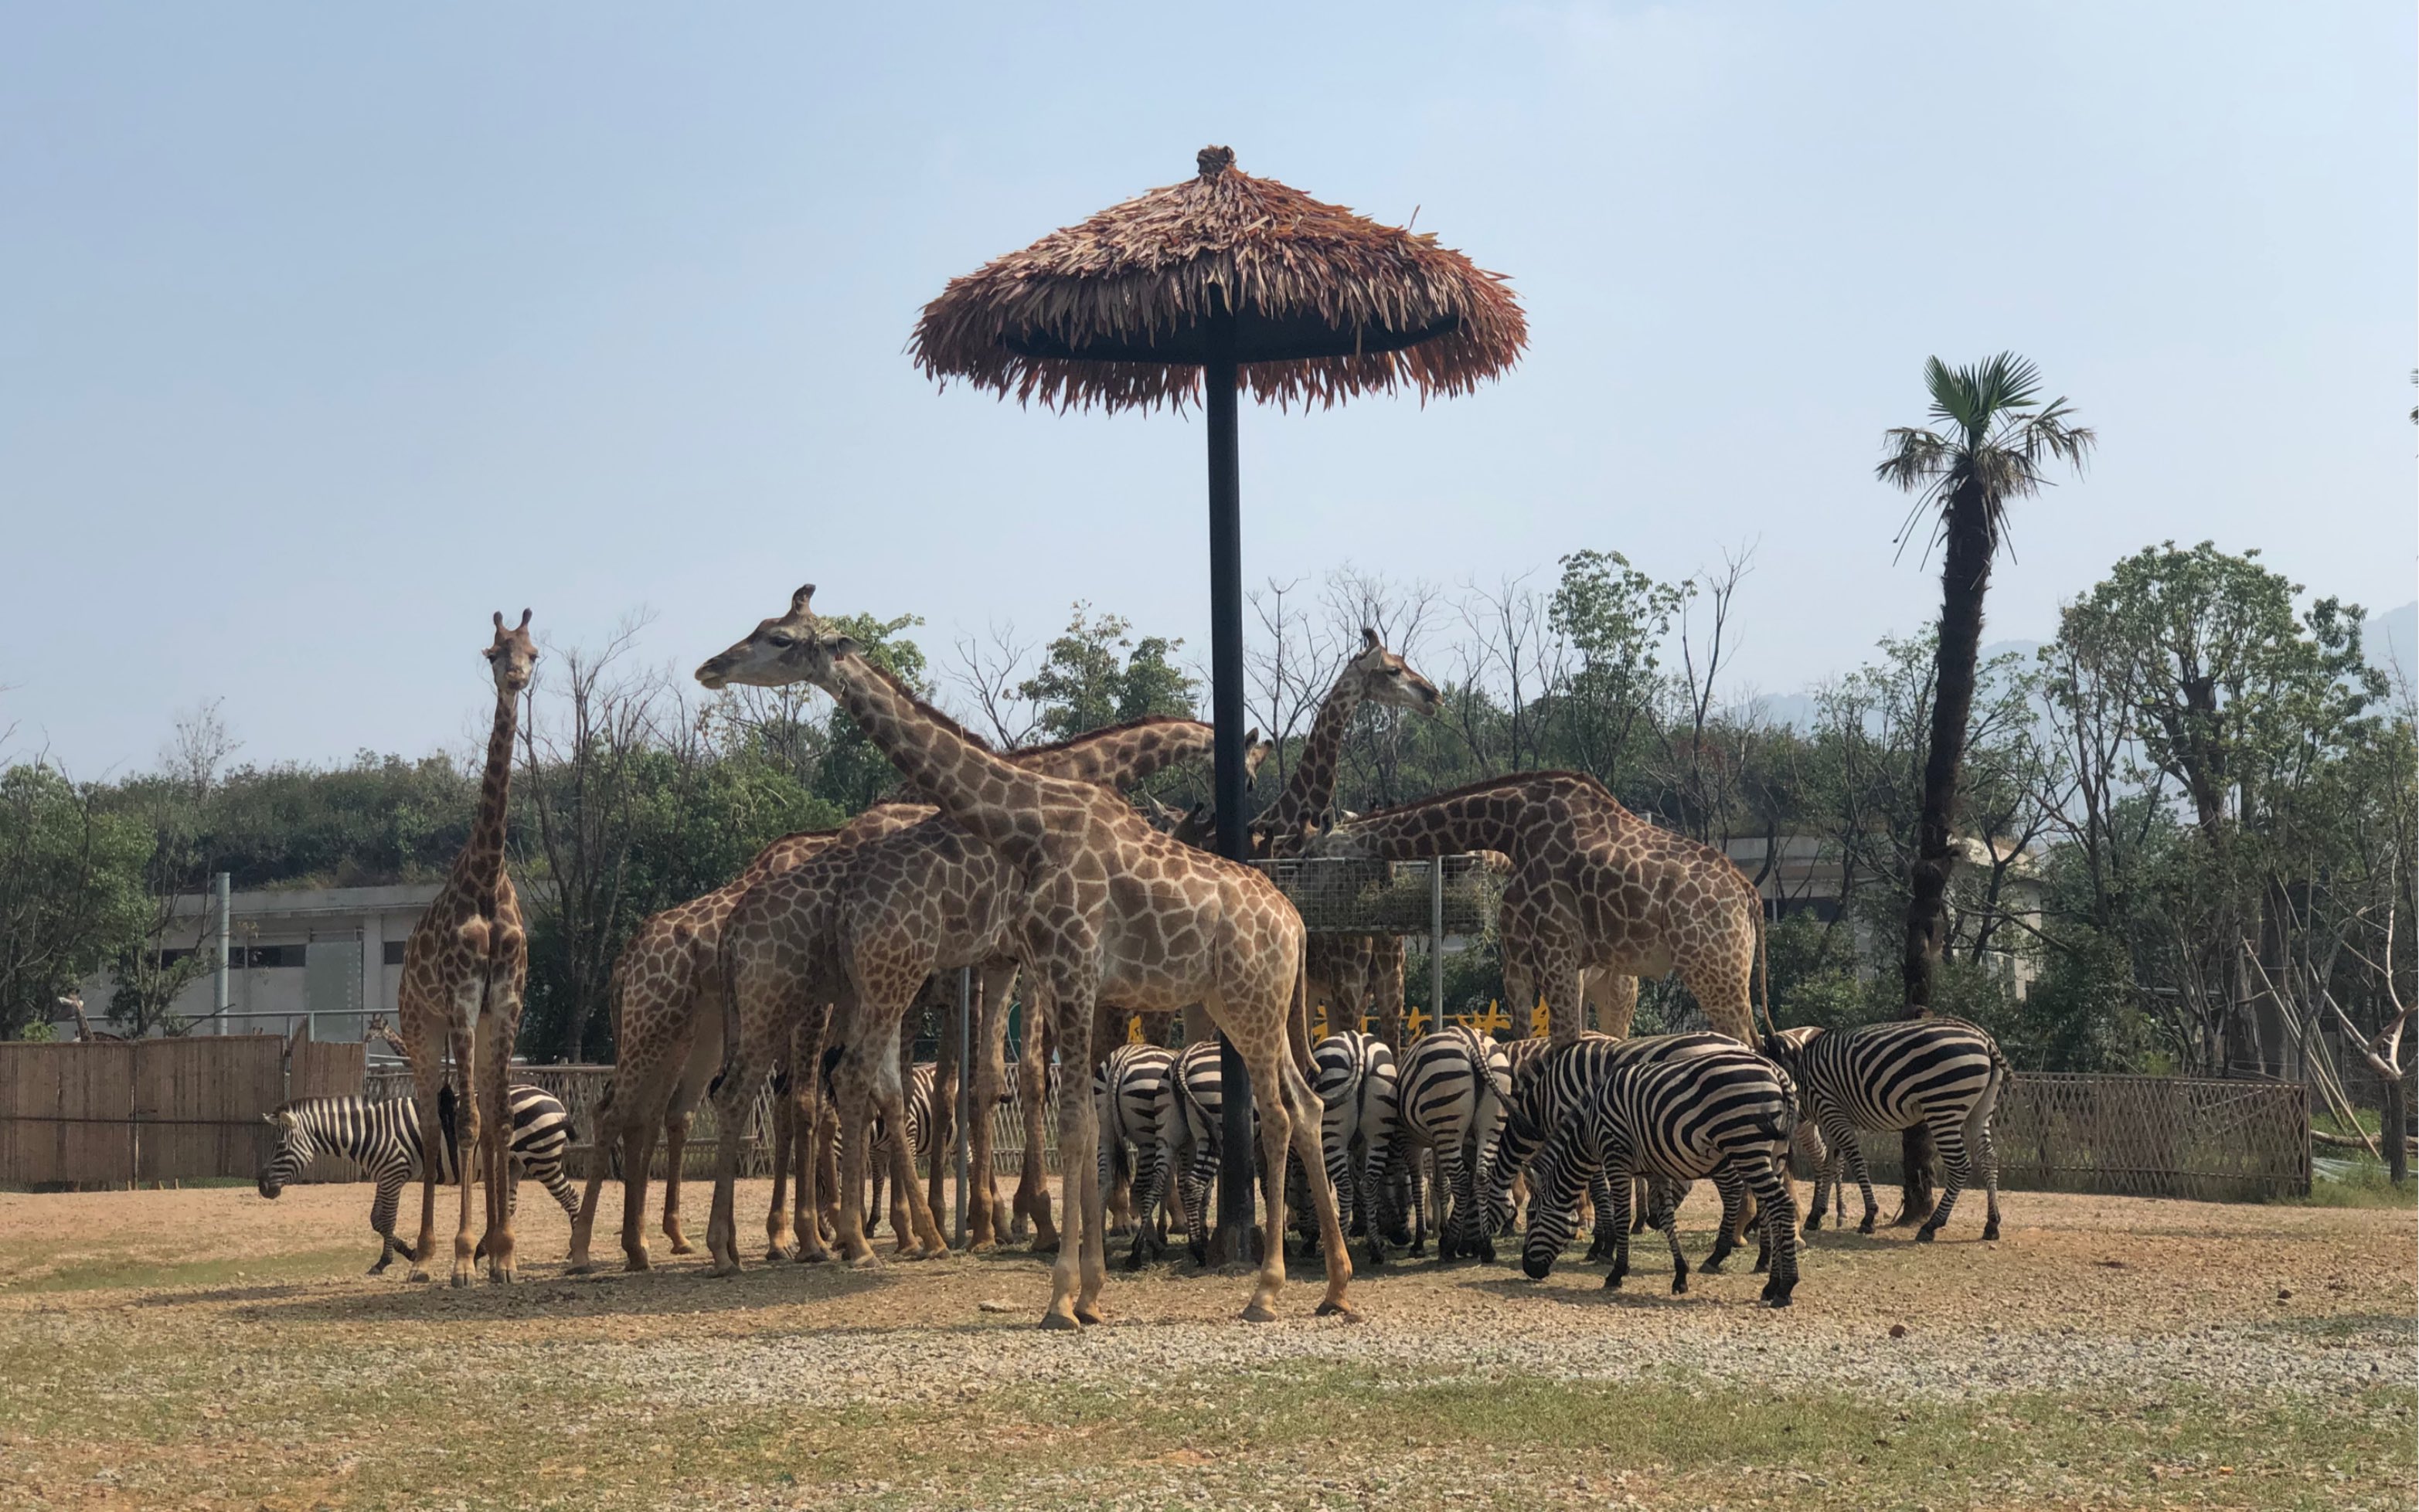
(462,969)
(1111,911)
(668,1034)
(1592,888)
(1344,967)
(865,927)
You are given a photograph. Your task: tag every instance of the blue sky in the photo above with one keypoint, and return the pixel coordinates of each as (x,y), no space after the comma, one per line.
(331,330)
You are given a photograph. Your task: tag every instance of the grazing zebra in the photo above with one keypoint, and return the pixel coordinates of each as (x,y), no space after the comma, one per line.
(1727,1115)
(383,1137)
(1358,1087)
(1130,1092)
(1548,1088)
(1452,1086)
(1942,1073)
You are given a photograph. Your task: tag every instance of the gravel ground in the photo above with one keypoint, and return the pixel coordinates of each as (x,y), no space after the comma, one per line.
(2299,1309)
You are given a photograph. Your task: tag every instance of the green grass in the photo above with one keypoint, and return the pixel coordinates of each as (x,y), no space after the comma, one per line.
(98,1273)
(1329,1437)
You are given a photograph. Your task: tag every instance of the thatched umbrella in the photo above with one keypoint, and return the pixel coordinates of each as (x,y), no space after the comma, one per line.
(1219,283)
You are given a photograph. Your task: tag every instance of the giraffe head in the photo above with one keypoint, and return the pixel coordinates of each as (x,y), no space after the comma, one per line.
(1384,677)
(791,648)
(513,656)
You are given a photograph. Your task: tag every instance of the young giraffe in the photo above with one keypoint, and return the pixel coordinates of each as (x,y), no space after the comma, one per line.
(1592,886)
(1342,966)
(462,969)
(866,928)
(1113,911)
(667,1032)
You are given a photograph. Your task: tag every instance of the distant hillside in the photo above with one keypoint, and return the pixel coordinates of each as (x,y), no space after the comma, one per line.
(2391,638)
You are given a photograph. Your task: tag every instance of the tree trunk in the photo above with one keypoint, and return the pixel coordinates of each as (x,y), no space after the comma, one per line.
(2393,1123)
(1964,577)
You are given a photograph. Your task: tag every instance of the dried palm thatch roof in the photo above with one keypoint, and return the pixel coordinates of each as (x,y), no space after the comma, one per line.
(1121,310)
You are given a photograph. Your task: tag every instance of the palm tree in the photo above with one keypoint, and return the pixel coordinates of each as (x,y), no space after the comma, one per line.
(1993,438)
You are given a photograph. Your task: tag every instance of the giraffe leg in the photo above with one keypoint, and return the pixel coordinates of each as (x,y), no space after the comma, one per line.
(466,1135)
(780,1242)
(1276,1139)
(948,1062)
(1720,975)
(428,1076)
(850,1091)
(607,1122)
(1613,996)
(1333,1252)
(1557,977)
(675,1156)
(1078,1147)
(638,1152)
(987,1213)
(735,1102)
(498,1031)
(1033,1186)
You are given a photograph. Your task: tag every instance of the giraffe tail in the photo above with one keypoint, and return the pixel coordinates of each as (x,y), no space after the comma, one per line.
(1763,967)
(727,969)
(1298,1022)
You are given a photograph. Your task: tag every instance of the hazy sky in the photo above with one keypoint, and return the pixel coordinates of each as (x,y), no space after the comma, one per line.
(329,329)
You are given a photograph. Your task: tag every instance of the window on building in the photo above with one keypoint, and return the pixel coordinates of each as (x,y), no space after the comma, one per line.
(394,955)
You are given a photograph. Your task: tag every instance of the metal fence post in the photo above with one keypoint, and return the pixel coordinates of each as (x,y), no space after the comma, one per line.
(965,1094)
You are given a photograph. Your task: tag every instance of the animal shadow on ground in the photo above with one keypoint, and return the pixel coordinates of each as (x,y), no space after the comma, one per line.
(666,1293)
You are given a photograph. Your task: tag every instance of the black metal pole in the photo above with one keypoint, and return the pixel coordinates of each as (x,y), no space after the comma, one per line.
(1218,383)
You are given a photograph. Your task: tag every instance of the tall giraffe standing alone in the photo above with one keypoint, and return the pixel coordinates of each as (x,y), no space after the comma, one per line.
(1342,966)
(1113,911)
(462,969)
(1592,887)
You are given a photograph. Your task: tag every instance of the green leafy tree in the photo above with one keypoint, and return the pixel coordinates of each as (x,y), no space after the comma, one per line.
(1995,438)
(1096,674)
(71,890)
(1613,619)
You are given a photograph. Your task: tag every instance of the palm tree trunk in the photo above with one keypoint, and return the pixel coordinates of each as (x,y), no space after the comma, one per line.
(1964,578)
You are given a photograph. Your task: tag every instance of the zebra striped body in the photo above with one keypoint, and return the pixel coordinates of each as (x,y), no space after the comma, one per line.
(1549,1086)
(1452,1087)
(383,1138)
(1725,1115)
(1942,1073)
(1358,1087)
(1192,1134)
(1131,1092)
(915,1092)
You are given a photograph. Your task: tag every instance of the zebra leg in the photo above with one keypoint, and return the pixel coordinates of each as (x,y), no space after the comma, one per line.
(1779,1228)
(1600,1234)
(1948,1138)
(1198,1176)
(382,1206)
(1622,1184)
(1734,1195)
(1671,1227)
(1449,1177)
(1149,1171)
(1826,1178)
(1852,1153)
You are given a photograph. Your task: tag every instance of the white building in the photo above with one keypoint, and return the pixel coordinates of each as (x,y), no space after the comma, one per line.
(331,956)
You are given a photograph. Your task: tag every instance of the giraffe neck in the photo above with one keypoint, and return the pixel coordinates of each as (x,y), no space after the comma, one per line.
(483,859)
(1447,825)
(1312,786)
(1119,757)
(991,799)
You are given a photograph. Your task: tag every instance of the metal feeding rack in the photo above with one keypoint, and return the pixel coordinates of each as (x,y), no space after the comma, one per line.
(1448,895)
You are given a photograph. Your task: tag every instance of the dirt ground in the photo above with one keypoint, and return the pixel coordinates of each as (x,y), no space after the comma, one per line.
(207,1348)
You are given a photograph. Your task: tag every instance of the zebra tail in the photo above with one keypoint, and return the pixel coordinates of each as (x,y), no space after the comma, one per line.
(725,968)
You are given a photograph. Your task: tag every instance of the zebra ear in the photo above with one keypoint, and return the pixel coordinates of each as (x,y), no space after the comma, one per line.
(283,1118)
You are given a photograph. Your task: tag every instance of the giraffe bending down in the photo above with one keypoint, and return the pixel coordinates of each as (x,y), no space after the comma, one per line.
(864,927)
(1343,968)
(1111,911)
(668,1034)
(1592,887)
(463,969)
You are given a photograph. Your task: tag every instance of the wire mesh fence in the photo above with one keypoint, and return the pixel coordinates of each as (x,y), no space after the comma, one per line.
(1391,897)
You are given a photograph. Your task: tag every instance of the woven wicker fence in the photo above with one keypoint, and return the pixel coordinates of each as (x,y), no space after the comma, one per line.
(2225,1141)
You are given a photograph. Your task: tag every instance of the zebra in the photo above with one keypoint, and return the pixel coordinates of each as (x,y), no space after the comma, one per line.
(1452,1086)
(1130,1092)
(383,1137)
(1943,1072)
(1726,1114)
(1191,1135)
(1354,1075)
(1548,1088)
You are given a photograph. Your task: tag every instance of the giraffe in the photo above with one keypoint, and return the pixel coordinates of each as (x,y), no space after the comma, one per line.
(1592,887)
(667,1032)
(463,967)
(866,928)
(1111,910)
(1343,967)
